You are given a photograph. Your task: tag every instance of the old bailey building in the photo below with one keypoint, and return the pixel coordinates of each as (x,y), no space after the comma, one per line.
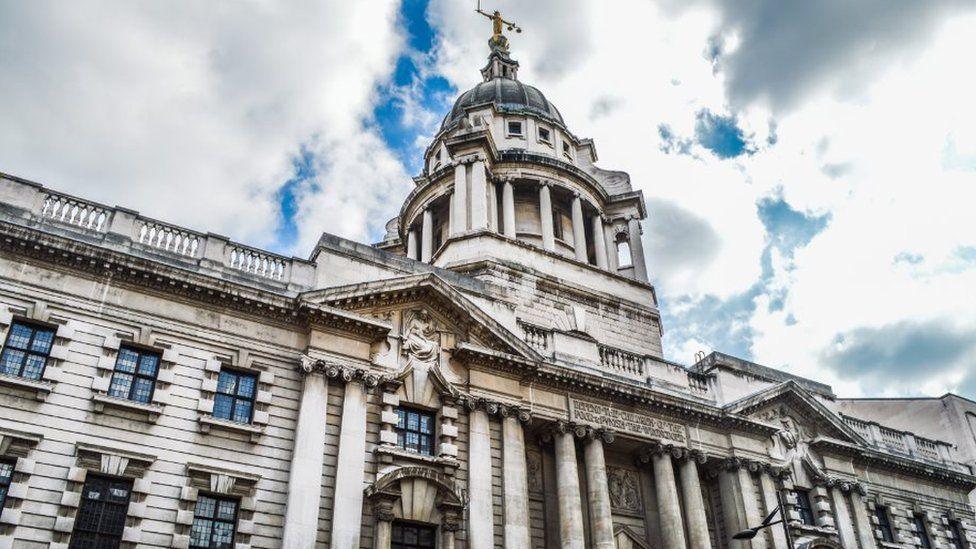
(489,375)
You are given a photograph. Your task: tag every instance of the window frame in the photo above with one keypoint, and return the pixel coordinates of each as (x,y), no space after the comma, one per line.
(804,507)
(884,523)
(402,524)
(922,530)
(235,398)
(213,518)
(544,140)
(35,328)
(958,540)
(402,418)
(567,149)
(508,128)
(140,352)
(7,481)
(99,533)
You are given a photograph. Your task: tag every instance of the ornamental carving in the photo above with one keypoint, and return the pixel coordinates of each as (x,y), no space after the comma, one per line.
(533,464)
(625,494)
(421,342)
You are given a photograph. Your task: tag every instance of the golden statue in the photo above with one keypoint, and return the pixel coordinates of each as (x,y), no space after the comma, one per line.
(498,40)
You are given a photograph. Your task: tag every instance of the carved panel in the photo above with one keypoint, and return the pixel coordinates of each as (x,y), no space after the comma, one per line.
(625,492)
(533,462)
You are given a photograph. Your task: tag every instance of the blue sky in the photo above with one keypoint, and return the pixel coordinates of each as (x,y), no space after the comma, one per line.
(809,184)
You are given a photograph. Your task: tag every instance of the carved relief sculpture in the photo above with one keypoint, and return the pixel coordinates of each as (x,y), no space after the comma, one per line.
(420,340)
(625,494)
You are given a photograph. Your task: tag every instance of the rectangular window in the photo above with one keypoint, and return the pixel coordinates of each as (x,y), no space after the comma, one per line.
(135,375)
(6,476)
(884,523)
(922,531)
(413,536)
(235,396)
(26,350)
(958,540)
(515,128)
(101,514)
(214,523)
(557,224)
(567,150)
(804,508)
(415,431)
(545,136)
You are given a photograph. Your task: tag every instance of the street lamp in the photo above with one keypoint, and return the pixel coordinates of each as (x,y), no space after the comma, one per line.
(750,533)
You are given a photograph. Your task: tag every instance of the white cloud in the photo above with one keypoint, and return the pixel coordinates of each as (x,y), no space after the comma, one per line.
(192,112)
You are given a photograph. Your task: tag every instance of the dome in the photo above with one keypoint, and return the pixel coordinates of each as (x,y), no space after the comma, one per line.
(507,95)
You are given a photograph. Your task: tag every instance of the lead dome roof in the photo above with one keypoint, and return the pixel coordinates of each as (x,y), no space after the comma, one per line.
(506,95)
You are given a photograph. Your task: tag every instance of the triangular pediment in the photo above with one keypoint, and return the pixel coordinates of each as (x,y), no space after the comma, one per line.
(388,299)
(790,403)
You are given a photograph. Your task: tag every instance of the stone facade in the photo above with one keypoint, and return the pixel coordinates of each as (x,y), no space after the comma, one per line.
(488,376)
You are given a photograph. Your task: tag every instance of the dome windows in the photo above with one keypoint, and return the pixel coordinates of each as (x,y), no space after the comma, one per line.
(515,128)
(544,135)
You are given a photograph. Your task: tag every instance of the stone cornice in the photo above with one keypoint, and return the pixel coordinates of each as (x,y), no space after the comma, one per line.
(495,408)
(342,372)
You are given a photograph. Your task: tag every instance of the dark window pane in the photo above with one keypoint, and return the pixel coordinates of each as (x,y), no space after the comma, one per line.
(126,362)
(223,406)
(121,383)
(226,383)
(34,368)
(227,509)
(148,364)
(242,411)
(143,390)
(19,336)
(245,386)
(10,361)
(42,341)
(101,516)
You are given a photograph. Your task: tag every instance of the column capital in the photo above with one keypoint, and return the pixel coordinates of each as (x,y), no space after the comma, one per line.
(335,371)
(604,435)
(658,448)
(495,408)
(546,183)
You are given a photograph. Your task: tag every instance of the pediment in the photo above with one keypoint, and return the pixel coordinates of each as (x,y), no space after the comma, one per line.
(455,315)
(789,406)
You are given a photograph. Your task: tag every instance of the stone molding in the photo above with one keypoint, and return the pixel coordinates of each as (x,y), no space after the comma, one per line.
(579,431)
(495,408)
(340,372)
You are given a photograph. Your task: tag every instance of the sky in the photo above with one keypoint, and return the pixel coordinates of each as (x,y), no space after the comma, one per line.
(809,167)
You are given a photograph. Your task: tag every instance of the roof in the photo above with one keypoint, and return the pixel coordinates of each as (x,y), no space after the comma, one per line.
(505,94)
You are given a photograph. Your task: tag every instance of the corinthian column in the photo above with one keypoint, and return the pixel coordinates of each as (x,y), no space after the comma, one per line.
(568,489)
(480,520)
(305,473)
(598,491)
(515,482)
(770,497)
(668,504)
(347,516)
(545,217)
(579,231)
(691,492)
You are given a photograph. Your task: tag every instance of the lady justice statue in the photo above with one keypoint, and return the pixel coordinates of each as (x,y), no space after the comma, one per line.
(498,40)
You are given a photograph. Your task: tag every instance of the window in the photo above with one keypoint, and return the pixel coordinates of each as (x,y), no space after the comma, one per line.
(101,515)
(235,396)
(415,431)
(514,128)
(26,351)
(958,540)
(135,375)
(545,136)
(557,223)
(413,536)
(921,531)
(624,258)
(6,475)
(567,150)
(884,523)
(214,522)
(804,508)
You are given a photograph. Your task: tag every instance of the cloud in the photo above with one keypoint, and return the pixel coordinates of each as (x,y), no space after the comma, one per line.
(786,52)
(194,112)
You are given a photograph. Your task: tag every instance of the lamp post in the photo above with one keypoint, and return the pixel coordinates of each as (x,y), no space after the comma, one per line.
(750,533)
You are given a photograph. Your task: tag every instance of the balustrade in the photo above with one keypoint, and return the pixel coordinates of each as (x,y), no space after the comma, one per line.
(622,362)
(698,383)
(538,338)
(261,264)
(170,239)
(74,212)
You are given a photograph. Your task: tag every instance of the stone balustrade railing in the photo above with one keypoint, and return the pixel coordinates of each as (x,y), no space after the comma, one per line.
(901,442)
(698,383)
(537,337)
(622,362)
(125,230)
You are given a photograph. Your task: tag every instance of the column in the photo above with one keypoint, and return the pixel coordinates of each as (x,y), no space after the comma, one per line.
(598,491)
(865,529)
(732,513)
(481,523)
(508,209)
(845,528)
(427,237)
(412,244)
(636,249)
(545,216)
(691,492)
(668,505)
(304,477)
(515,484)
(599,241)
(579,231)
(568,489)
(479,195)
(459,219)
(750,505)
(383,530)
(770,497)
(347,516)
(611,245)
